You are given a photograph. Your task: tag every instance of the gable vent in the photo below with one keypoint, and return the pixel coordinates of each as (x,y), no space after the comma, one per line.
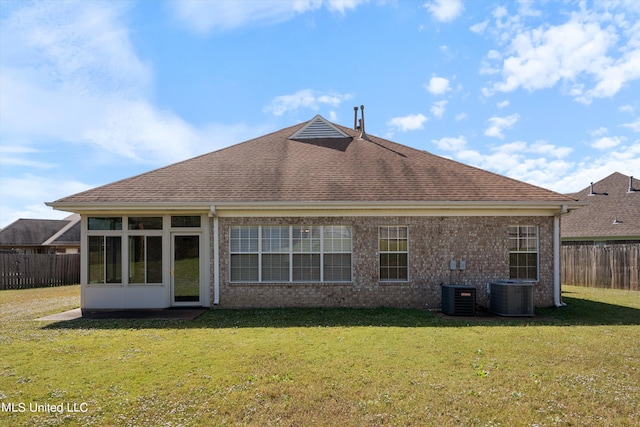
(319,127)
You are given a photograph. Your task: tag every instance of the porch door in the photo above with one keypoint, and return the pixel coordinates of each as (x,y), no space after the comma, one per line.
(185,269)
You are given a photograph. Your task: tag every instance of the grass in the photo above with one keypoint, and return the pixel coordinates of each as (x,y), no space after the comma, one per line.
(574,366)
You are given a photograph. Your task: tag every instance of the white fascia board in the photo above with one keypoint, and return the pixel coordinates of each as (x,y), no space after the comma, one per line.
(400,208)
(109,207)
(230,209)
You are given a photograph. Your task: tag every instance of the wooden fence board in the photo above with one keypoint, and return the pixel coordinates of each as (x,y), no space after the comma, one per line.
(611,265)
(19,271)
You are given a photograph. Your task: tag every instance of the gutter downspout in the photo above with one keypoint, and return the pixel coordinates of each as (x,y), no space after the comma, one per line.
(557,288)
(216,257)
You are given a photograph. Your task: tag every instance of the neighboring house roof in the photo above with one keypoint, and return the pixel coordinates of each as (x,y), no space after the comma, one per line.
(315,161)
(612,212)
(41,232)
(69,235)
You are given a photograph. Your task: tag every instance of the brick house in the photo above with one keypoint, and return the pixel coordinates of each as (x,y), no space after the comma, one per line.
(315,214)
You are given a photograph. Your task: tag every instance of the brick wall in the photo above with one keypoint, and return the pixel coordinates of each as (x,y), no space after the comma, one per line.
(433,242)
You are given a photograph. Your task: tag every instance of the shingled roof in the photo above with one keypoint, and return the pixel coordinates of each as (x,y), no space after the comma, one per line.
(30,232)
(315,161)
(611,211)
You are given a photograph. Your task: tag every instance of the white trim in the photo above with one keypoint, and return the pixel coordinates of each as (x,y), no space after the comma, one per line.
(201,261)
(216,261)
(75,218)
(335,208)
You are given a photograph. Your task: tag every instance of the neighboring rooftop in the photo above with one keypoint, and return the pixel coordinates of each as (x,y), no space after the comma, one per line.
(41,232)
(316,161)
(612,211)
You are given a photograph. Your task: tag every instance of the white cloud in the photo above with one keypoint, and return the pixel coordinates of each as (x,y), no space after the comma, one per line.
(305,98)
(598,132)
(608,142)
(409,122)
(498,124)
(626,109)
(593,54)
(445,10)
(479,27)
(438,108)
(461,116)
(541,147)
(438,86)
(88,69)
(634,126)
(451,143)
(206,16)
(503,104)
(30,192)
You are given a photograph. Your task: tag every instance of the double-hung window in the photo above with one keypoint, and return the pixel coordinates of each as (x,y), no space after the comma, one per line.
(394,253)
(523,252)
(290,253)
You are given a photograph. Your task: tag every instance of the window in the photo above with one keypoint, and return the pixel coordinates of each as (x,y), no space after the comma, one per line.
(105,223)
(145,259)
(244,254)
(394,253)
(145,223)
(523,252)
(185,221)
(105,259)
(124,249)
(290,254)
(336,265)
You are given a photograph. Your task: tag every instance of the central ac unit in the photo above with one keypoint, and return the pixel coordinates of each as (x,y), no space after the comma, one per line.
(459,300)
(511,298)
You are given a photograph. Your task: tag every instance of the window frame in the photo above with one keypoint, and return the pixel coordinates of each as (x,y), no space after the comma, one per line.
(296,249)
(123,262)
(524,251)
(382,252)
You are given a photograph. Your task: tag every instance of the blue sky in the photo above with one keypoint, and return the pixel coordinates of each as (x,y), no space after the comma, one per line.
(92,92)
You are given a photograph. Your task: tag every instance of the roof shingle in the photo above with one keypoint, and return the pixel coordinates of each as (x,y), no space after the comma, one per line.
(275,168)
(596,219)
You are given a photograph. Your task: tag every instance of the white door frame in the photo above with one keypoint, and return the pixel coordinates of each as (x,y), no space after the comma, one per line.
(201,263)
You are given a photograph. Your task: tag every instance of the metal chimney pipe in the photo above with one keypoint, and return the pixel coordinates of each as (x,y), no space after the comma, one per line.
(355,118)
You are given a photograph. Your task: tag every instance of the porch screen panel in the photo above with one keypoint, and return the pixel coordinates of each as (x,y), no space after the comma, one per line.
(105,259)
(145,259)
(96,259)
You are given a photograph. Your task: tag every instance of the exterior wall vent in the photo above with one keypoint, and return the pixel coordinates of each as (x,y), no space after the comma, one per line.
(511,298)
(459,300)
(318,127)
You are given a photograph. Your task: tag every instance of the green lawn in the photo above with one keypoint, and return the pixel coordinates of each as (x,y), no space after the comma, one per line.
(575,366)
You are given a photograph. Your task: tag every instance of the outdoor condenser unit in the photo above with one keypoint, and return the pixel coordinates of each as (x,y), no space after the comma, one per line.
(459,300)
(511,298)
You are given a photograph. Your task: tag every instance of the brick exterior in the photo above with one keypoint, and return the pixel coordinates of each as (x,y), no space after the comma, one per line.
(433,242)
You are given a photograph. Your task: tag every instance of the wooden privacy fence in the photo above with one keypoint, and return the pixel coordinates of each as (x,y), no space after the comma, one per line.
(38,270)
(610,265)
